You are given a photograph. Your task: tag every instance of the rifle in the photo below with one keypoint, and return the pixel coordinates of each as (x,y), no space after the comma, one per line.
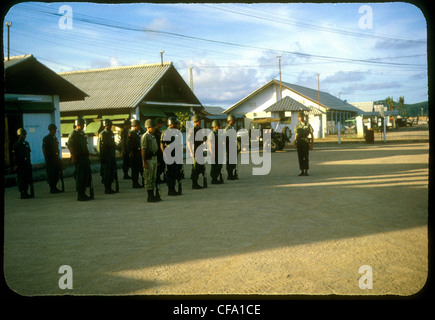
(116,178)
(61,175)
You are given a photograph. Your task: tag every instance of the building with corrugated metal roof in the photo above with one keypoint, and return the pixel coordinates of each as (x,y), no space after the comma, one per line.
(284,100)
(129,92)
(32,95)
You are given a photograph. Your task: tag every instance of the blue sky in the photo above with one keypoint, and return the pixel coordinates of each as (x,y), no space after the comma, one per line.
(361,51)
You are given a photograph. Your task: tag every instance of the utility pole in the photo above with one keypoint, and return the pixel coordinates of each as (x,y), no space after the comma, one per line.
(280,84)
(191,78)
(161,56)
(8,24)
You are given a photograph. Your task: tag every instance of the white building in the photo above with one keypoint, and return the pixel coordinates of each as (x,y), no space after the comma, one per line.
(325,110)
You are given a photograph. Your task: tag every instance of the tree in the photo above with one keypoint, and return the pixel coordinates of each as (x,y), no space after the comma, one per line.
(389,102)
(403,112)
(182,117)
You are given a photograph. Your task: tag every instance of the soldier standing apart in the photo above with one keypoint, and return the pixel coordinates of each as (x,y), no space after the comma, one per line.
(106,140)
(133,147)
(214,147)
(50,149)
(231,167)
(172,170)
(21,151)
(125,153)
(197,168)
(78,147)
(304,140)
(160,161)
(149,148)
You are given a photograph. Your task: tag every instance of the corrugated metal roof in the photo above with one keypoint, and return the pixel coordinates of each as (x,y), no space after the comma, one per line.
(286,104)
(325,99)
(114,88)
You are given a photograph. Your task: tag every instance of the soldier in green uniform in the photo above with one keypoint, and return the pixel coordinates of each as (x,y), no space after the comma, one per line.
(197,168)
(21,154)
(78,147)
(125,153)
(172,170)
(304,140)
(133,147)
(160,162)
(214,147)
(149,148)
(231,167)
(106,142)
(50,149)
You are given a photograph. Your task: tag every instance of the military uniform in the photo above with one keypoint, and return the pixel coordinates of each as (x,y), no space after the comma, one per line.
(50,147)
(125,153)
(149,148)
(21,152)
(231,167)
(216,166)
(106,141)
(133,147)
(197,168)
(303,130)
(160,162)
(78,146)
(173,171)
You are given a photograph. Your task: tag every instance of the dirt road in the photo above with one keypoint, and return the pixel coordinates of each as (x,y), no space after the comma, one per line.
(362,205)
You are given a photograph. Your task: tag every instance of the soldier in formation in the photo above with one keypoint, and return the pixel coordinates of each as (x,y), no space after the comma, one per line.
(23,166)
(173,170)
(107,147)
(304,140)
(78,147)
(160,161)
(231,167)
(124,149)
(149,149)
(53,163)
(214,147)
(197,168)
(133,148)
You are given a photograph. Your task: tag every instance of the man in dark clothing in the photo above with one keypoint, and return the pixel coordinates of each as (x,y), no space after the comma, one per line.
(78,147)
(125,153)
(21,153)
(304,140)
(214,147)
(133,147)
(106,140)
(50,149)
(160,162)
(197,168)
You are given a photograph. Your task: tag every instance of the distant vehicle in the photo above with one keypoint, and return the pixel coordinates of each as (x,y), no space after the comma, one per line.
(281,134)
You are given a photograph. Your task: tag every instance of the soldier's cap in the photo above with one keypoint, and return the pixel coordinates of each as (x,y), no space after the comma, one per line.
(172,120)
(159,121)
(79,121)
(21,131)
(107,122)
(196,118)
(149,123)
(215,123)
(231,117)
(135,123)
(52,126)
(301,114)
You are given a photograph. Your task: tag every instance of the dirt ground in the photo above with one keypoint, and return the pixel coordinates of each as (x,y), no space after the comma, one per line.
(278,234)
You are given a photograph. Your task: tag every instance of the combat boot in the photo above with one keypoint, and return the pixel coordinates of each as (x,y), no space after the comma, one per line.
(172,192)
(108,190)
(151,197)
(157,196)
(83,197)
(24,195)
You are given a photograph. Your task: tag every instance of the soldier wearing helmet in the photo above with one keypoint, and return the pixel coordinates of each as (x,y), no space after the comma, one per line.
(304,140)
(107,147)
(149,149)
(78,147)
(133,147)
(231,167)
(173,170)
(197,168)
(51,151)
(160,162)
(214,147)
(124,150)
(21,155)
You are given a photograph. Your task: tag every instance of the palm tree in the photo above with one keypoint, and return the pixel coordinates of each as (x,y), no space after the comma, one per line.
(403,112)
